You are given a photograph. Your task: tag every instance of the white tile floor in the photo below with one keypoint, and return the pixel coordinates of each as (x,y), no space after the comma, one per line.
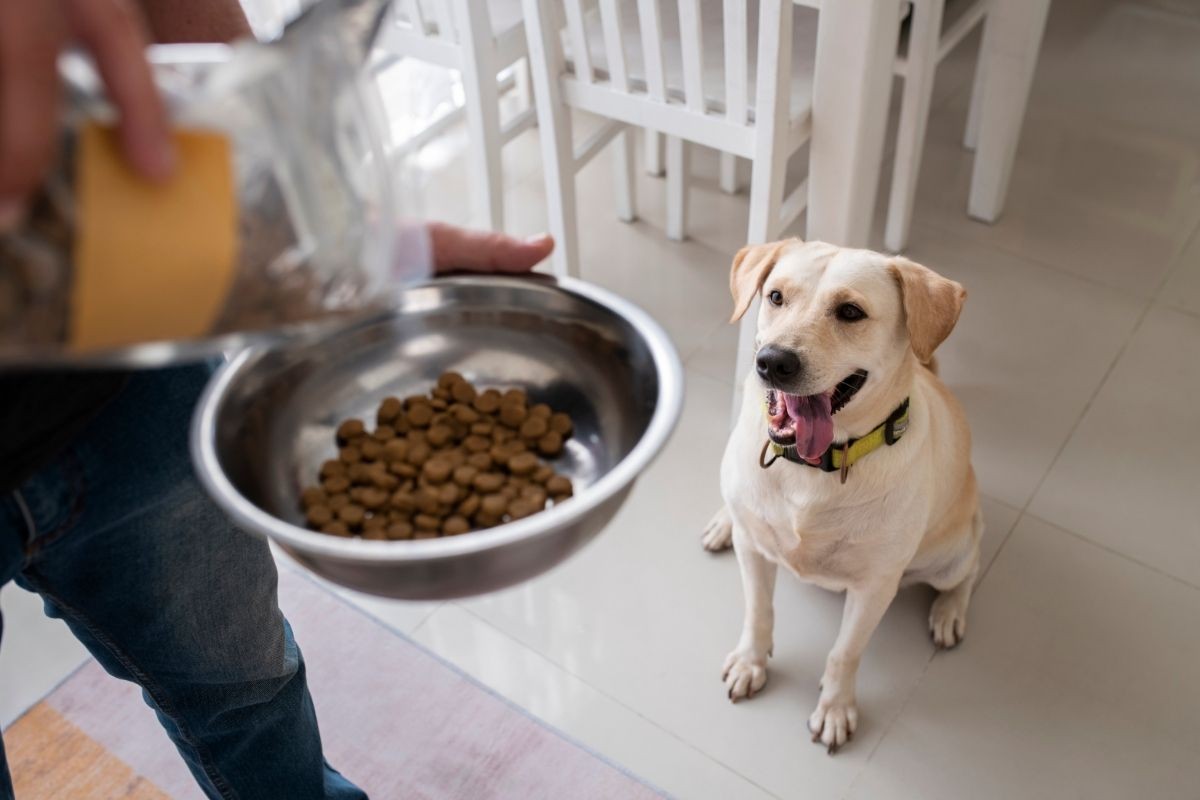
(1077,359)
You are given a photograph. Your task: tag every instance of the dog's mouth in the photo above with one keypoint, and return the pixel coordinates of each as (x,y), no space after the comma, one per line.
(806,421)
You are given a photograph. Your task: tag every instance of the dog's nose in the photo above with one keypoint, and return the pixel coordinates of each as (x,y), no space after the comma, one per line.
(777,363)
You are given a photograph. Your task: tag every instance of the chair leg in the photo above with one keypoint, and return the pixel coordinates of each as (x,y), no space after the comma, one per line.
(624,168)
(554,134)
(766,198)
(654,153)
(523,83)
(483,115)
(678,167)
(768,169)
(729,173)
(1012,37)
(923,39)
(971,134)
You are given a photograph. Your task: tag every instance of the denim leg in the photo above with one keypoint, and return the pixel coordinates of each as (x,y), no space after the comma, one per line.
(164,591)
(12,557)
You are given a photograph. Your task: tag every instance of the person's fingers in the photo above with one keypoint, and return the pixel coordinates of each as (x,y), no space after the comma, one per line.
(114,32)
(484,251)
(31,34)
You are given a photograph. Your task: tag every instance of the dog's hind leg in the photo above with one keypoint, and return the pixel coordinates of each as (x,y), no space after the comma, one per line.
(718,535)
(948,615)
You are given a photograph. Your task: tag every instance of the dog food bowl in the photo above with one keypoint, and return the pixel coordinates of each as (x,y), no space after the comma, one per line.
(267,421)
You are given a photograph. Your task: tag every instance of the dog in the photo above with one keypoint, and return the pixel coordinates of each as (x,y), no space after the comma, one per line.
(849,462)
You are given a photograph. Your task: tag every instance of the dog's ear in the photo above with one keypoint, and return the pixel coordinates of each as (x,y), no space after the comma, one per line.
(931,305)
(751,266)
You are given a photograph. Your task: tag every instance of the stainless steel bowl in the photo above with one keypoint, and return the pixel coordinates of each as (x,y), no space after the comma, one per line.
(267,420)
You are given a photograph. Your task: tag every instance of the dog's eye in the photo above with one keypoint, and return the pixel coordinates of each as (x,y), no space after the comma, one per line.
(848,312)
(776,297)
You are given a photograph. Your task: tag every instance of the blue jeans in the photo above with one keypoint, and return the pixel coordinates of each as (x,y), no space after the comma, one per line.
(121,543)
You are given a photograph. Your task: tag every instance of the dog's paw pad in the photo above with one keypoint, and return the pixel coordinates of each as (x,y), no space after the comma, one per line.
(744,675)
(948,620)
(833,723)
(718,535)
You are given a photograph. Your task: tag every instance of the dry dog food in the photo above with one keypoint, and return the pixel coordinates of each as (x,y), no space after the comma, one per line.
(457,460)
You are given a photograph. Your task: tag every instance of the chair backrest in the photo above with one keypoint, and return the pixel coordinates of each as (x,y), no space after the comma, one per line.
(680,67)
(430,19)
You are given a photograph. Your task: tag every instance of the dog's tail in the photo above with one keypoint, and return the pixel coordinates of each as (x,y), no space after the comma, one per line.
(931,364)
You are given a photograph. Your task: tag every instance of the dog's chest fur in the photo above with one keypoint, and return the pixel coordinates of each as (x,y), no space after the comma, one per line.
(825,532)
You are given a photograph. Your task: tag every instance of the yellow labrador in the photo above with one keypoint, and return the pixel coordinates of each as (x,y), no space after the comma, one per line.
(849,464)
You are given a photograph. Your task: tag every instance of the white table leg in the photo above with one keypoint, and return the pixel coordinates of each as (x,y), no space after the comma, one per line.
(1012,36)
(856,47)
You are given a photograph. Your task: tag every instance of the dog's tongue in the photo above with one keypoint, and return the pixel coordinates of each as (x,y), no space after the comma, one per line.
(813,418)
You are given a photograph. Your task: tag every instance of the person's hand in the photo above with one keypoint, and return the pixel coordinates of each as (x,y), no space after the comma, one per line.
(32,34)
(484,251)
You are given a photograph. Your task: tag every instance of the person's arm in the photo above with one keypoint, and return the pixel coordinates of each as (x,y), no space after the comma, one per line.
(177,21)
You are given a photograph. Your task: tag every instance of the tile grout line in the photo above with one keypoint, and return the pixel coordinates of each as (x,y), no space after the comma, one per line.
(1112,551)
(615,700)
(425,618)
(1176,267)
(947,228)
(891,723)
(1148,305)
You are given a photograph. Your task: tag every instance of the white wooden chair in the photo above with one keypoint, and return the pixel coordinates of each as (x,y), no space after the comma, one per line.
(927,44)
(479,39)
(651,72)
(1004,71)
(675,74)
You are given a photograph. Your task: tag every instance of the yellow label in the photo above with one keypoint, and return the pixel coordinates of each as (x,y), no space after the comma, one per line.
(153,261)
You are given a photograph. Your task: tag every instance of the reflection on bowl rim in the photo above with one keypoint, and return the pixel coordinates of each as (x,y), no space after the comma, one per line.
(668,369)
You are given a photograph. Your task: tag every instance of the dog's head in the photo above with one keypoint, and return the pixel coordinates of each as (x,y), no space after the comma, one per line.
(836,328)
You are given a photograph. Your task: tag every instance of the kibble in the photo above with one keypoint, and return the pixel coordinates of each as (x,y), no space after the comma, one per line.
(522,463)
(559,487)
(534,427)
(455,525)
(335,529)
(436,470)
(370,450)
(350,429)
(443,464)
(388,410)
(513,414)
(399,530)
(421,415)
(551,444)
(352,514)
(313,496)
(318,516)
(561,423)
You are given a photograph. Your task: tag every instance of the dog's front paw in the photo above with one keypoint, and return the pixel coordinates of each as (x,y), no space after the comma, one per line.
(718,535)
(833,723)
(744,674)
(948,618)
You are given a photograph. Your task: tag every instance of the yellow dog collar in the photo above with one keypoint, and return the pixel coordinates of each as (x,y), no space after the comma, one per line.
(840,457)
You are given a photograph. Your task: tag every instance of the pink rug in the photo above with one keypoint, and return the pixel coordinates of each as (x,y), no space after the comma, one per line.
(435,734)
